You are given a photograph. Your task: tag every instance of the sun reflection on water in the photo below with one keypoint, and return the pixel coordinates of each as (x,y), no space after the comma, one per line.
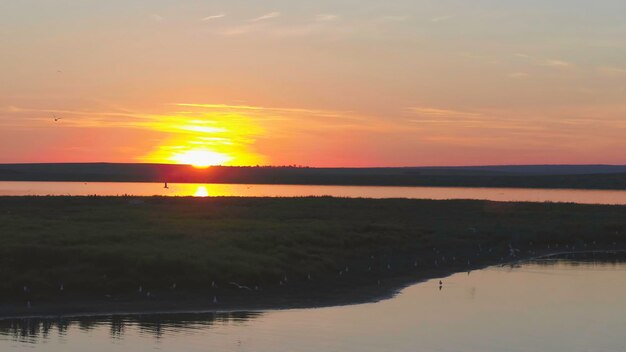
(201,191)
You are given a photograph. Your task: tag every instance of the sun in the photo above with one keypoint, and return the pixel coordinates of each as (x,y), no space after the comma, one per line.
(206,139)
(201,158)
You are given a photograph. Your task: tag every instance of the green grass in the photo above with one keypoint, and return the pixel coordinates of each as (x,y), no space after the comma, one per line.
(112,244)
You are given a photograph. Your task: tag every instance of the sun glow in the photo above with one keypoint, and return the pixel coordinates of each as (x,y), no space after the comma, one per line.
(205,139)
(201,158)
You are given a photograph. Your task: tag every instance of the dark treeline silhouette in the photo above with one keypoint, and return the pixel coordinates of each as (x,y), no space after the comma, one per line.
(531,176)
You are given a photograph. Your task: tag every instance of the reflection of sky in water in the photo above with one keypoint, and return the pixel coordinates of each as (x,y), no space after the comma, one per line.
(243,190)
(536,307)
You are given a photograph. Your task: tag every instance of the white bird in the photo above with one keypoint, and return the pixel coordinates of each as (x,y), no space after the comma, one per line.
(242,287)
(61,287)
(512,250)
(28,305)
(214,299)
(140,289)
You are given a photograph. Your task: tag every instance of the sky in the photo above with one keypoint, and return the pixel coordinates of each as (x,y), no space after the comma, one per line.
(317,83)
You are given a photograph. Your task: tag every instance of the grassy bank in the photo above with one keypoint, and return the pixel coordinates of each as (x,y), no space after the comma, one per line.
(109,247)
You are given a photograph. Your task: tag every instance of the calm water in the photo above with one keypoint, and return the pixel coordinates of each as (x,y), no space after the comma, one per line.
(536,307)
(203,190)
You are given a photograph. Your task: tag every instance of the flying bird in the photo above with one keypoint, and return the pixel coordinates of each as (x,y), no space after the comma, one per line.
(55,117)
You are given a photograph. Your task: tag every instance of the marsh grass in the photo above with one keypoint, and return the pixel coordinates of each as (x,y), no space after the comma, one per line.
(114,244)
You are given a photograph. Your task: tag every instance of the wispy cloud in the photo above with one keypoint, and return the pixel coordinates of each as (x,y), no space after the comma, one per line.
(214,17)
(552,63)
(266,17)
(326,17)
(328,27)
(556,63)
(437,112)
(291,119)
(318,112)
(157,17)
(613,71)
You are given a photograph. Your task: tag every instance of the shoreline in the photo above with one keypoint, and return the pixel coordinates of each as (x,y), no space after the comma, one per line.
(333,296)
(106,255)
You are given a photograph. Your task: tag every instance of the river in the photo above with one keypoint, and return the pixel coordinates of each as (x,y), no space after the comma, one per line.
(550,306)
(249,190)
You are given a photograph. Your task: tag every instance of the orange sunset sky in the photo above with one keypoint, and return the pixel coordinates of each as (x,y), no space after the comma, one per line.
(318,83)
